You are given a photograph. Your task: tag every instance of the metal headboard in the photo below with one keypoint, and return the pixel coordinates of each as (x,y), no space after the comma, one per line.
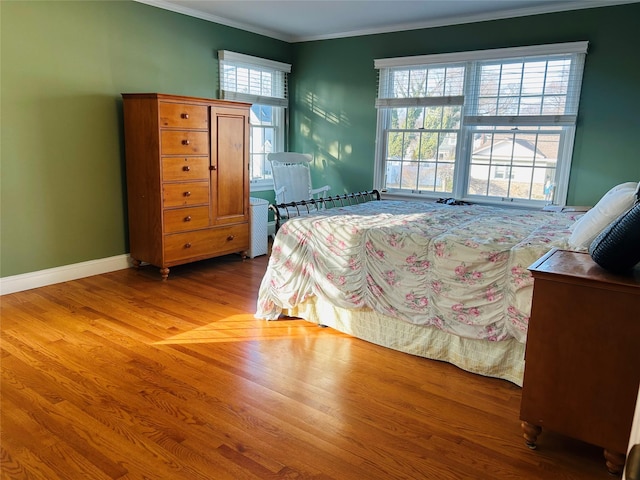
(304,207)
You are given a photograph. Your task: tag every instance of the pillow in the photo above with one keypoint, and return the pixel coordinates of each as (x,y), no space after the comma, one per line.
(622,186)
(613,204)
(617,248)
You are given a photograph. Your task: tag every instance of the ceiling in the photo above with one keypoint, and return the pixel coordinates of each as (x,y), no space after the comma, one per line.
(304,20)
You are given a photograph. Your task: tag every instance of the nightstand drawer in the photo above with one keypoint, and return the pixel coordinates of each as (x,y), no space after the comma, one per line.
(185,194)
(182,115)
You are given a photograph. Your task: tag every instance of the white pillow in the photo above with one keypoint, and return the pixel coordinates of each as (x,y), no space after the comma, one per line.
(612,204)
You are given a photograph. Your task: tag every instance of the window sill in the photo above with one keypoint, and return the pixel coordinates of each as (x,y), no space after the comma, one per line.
(261,186)
(418,197)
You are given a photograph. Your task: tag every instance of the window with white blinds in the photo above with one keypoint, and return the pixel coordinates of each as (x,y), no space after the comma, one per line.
(263,83)
(494,125)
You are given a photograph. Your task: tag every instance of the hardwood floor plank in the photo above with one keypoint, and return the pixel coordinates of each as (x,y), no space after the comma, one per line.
(124,376)
(31,467)
(49,419)
(125,421)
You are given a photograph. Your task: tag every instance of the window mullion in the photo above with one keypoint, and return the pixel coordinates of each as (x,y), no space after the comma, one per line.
(510,168)
(520,88)
(464,148)
(544,85)
(498,95)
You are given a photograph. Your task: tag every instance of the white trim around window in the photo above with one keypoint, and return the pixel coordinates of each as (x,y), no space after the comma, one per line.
(494,126)
(492,54)
(262,83)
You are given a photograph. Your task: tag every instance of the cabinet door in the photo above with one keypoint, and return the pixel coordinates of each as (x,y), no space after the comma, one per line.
(230,165)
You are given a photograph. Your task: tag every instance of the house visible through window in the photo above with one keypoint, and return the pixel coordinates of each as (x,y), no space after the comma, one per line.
(493,125)
(263,83)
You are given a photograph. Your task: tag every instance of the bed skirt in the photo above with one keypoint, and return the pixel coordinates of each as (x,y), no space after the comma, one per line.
(503,359)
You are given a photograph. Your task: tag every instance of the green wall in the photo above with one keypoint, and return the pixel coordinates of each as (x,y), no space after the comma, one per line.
(334,87)
(64,66)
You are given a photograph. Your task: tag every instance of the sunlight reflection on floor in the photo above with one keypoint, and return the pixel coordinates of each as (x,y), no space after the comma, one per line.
(244,327)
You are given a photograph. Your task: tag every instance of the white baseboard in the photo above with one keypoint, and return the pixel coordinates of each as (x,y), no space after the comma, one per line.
(41,278)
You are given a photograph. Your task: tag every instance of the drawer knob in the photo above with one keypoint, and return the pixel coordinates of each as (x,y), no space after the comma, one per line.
(185,142)
(187,194)
(187,245)
(230,237)
(186,168)
(184,115)
(187,218)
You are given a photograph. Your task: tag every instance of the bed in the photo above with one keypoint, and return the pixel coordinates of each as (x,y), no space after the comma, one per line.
(445,282)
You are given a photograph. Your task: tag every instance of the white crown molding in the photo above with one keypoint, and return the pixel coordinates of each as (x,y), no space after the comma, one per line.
(42,278)
(549,7)
(552,7)
(215,19)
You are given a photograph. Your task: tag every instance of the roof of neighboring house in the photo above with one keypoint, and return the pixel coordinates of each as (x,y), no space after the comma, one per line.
(505,148)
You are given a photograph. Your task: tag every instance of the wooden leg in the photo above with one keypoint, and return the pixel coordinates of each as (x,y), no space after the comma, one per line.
(530,433)
(615,462)
(165,273)
(135,262)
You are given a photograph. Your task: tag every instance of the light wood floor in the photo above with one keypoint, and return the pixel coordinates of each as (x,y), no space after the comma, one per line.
(122,376)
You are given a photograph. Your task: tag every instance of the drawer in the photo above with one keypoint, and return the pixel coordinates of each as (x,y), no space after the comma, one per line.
(183,219)
(206,243)
(185,194)
(180,115)
(185,168)
(184,142)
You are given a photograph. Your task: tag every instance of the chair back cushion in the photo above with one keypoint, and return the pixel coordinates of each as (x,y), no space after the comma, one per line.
(296,180)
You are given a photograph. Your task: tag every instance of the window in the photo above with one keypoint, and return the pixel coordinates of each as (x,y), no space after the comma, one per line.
(494,125)
(263,83)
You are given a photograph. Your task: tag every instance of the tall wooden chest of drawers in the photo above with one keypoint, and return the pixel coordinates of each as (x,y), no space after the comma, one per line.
(187,178)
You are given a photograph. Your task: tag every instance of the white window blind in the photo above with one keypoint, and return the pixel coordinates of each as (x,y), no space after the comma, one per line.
(421,85)
(251,79)
(542,80)
(526,90)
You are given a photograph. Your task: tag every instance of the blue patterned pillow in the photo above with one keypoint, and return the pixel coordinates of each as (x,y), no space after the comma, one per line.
(617,247)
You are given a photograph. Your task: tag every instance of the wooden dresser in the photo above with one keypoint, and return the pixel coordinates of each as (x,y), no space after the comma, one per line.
(582,363)
(187,178)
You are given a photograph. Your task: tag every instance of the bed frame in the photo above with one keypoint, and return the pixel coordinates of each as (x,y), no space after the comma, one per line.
(305,207)
(503,359)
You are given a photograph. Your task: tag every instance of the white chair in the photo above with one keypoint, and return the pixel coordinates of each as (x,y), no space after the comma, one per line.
(292,182)
(292,177)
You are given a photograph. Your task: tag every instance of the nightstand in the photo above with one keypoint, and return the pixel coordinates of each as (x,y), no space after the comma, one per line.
(582,361)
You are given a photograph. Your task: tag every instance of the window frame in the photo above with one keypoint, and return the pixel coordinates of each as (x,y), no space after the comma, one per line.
(470,122)
(273,92)
(279,128)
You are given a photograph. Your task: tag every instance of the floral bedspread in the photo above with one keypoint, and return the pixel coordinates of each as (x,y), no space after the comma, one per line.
(462,269)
